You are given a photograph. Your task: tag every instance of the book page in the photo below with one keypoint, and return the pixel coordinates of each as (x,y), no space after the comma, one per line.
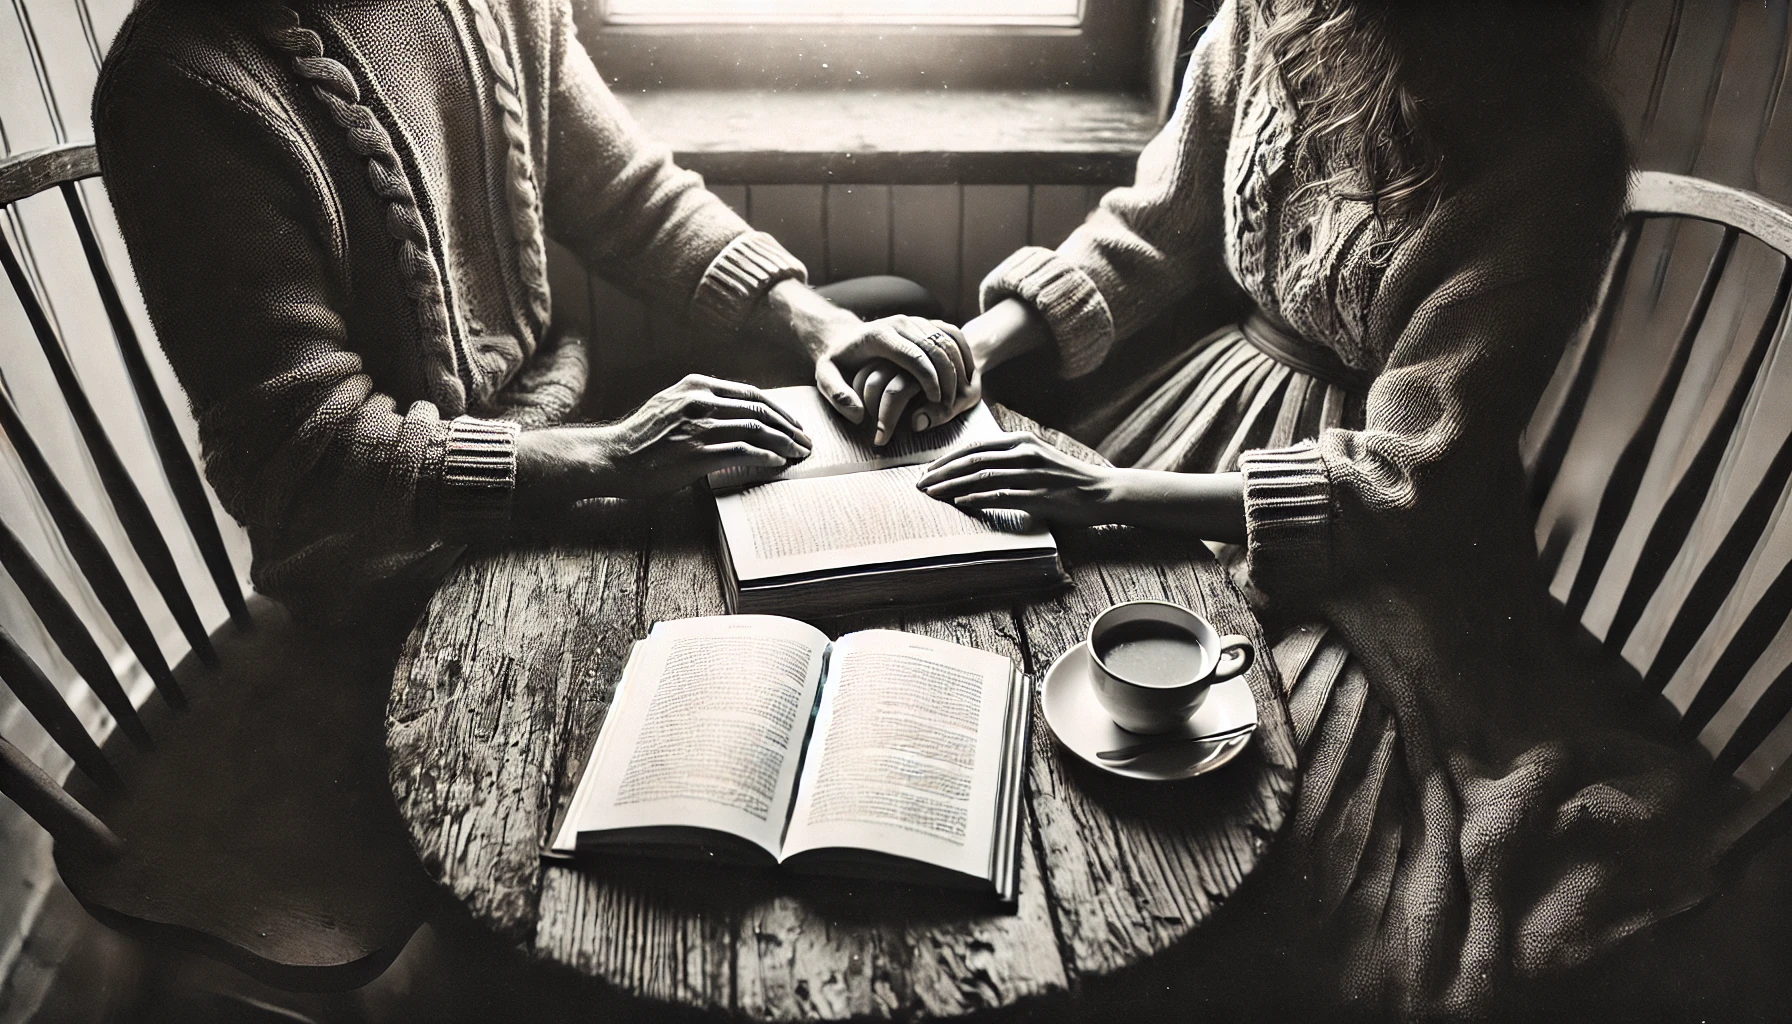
(842,446)
(792,527)
(706,731)
(906,757)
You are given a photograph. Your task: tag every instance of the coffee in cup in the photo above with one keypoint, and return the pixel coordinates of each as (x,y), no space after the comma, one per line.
(1155,661)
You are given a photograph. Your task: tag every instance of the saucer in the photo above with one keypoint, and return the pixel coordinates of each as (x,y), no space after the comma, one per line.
(1067,696)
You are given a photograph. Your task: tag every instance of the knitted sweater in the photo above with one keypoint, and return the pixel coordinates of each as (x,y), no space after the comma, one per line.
(1477,806)
(1460,324)
(336,212)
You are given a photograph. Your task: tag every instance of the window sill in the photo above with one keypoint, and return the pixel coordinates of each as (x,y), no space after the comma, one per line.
(899,138)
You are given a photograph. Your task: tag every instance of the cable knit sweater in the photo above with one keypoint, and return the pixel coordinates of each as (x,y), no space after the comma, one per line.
(336,211)
(1477,808)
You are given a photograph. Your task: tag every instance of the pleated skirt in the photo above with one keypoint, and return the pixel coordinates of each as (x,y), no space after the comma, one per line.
(1223,396)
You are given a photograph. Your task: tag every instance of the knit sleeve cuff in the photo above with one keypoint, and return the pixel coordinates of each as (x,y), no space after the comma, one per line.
(1068,299)
(478,477)
(743,271)
(1288,518)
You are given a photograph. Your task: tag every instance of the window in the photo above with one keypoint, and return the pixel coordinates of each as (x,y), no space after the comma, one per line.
(1060,13)
(648,45)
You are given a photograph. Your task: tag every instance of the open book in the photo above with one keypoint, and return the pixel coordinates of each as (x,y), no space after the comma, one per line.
(845,528)
(752,738)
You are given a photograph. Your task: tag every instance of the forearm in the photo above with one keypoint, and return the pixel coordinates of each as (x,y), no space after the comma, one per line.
(1210,505)
(556,466)
(794,316)
(1008,329)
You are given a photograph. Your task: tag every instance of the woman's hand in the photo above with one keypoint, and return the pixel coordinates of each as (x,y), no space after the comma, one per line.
(881,386)
(675,438)
(1019,471)
(895,361)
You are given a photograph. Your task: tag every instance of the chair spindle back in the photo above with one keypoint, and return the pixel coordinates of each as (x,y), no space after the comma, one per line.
(22,177)
(1689,499)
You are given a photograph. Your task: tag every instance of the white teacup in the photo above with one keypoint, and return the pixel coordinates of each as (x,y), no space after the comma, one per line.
(1155,662)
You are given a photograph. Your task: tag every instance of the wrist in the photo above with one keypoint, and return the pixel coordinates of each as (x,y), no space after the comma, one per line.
(1005,330)
(557,466)
(795,316)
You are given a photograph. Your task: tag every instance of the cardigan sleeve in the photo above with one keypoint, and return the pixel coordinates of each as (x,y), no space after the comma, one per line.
(240,258)
(635,217)
(1479,305)
(1148,245)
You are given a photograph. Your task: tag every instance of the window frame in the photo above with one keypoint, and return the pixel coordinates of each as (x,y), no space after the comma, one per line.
(989,20)
(1100,54)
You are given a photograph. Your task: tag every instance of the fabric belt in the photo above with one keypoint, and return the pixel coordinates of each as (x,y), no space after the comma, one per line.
(1279,342)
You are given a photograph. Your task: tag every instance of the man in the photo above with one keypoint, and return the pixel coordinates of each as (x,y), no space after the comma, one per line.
(337,213)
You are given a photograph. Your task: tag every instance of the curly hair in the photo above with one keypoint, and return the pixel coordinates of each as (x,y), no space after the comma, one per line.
(1375,83)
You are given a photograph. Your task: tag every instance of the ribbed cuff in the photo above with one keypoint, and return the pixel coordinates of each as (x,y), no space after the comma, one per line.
(1288,518)
(1068,299)
(478,477)
(739,275)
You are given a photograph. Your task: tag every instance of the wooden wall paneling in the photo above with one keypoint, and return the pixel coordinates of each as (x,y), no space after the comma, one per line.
(1673,129)
(1637,68)
(1057,210)
(1165,38)
(735,196)
(794,214)
(1611,29)
(1773,153)
(858,226)
(924,240)
(70,65)
(995,224)
(1744,95)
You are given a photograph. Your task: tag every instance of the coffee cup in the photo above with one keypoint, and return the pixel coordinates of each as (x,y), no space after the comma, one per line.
(1155,661)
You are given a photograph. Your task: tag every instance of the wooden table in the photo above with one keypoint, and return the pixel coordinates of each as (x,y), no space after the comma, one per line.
(503,685)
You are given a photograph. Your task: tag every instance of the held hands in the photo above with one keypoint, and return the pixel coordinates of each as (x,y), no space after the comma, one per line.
(1019,471)
(678,436)
(895,361)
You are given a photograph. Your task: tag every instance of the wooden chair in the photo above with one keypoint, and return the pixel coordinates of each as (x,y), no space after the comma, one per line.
(1689,604)
(245,815)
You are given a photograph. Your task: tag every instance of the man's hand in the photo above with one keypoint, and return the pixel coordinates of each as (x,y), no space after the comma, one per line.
(1019,471)
(675,438)
(893,361)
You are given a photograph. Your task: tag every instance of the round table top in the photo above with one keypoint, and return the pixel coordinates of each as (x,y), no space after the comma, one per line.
(504,683)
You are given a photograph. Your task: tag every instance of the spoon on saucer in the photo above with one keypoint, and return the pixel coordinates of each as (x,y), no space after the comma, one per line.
(1136,750)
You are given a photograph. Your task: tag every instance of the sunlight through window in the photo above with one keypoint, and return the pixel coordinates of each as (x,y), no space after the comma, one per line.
(895,12)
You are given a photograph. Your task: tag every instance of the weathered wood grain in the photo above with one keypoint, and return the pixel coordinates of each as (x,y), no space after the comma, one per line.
(505,683)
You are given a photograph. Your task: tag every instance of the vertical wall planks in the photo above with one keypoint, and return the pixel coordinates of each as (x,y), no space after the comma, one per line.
(1773,152)
(1744,94)
(924,239)
(795,215)
(858,223)
(734,195)
(995,224)
(1057,210)
(1674,126)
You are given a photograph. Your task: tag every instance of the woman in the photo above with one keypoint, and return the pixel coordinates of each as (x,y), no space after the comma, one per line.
(337,212)
(1395,215)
